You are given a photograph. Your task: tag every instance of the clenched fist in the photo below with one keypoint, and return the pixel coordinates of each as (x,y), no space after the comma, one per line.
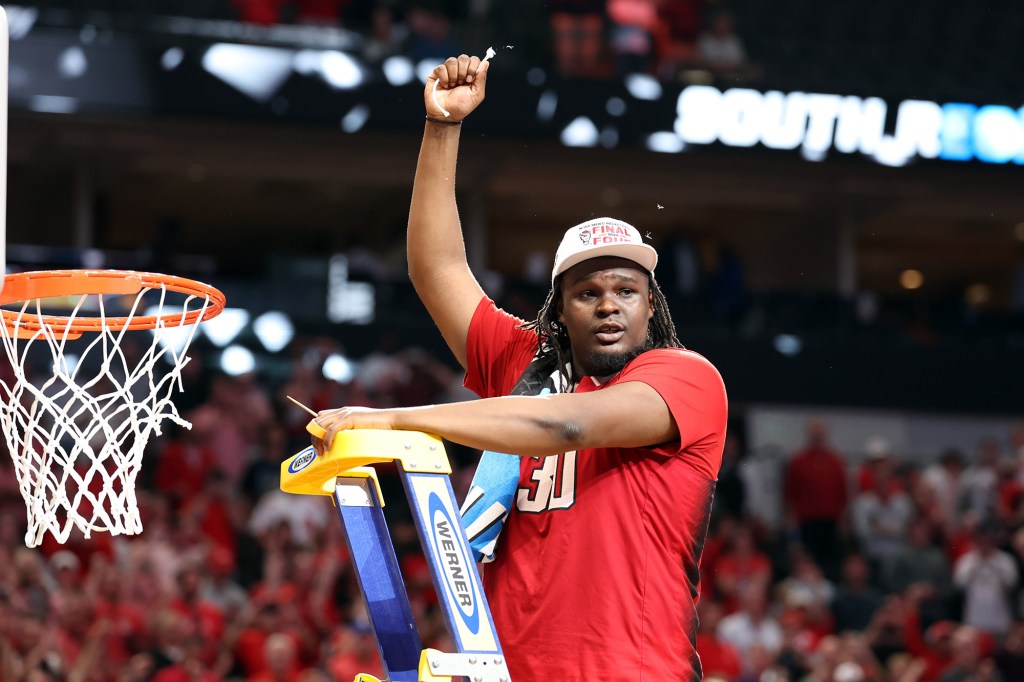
(461,82)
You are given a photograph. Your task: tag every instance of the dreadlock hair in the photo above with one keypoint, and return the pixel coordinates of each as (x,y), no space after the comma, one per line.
(554,350)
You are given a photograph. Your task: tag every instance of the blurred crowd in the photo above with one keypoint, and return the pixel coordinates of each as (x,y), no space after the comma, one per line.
(825,567)
(880,569)
(231,578)
(585,38)
(666,38)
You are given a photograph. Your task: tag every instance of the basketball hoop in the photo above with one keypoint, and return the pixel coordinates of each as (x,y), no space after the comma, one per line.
(78,417)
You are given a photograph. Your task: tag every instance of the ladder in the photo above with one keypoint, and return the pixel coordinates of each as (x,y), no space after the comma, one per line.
(343,473)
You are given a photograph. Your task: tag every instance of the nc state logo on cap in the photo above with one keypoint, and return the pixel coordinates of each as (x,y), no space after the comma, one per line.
(603,237)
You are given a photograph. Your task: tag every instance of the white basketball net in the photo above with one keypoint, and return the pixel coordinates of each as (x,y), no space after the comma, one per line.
(77,434)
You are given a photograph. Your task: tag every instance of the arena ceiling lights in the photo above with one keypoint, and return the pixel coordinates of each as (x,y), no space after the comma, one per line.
(274,329)
(223,329)
(339,368)
(237,360)
(259,72)
(580,133)
(642,86)
(398,71)
(20,20)
(253,70)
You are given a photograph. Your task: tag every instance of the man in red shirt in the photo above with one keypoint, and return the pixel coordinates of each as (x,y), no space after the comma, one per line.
(816,497)
(743,567)
(595,573)
(205,619)
(717,657)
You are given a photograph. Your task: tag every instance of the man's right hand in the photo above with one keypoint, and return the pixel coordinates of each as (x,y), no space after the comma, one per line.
(461,82)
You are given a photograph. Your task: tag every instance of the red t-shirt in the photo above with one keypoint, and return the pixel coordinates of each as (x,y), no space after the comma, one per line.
(743,572)
(718,657)
(595,575)
(182,469)
(127,625)
(816,485)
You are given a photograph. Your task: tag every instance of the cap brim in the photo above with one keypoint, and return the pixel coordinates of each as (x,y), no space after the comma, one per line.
(643,255)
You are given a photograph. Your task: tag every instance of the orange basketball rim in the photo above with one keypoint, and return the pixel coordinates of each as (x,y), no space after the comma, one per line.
(32,286)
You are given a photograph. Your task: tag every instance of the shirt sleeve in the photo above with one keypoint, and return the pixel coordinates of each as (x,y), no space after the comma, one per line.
(695,395)
(497,350)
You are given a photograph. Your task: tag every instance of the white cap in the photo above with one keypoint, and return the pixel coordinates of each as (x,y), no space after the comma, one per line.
(64,559)
(877,447)
(603,237)
(848,672)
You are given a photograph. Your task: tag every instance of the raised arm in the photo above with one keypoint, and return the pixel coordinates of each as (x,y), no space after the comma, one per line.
(436,251)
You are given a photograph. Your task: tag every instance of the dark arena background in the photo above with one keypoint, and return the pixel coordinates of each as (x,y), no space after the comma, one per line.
(835,190)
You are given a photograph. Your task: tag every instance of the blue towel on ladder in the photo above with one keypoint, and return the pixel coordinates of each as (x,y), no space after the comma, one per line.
(493,491)
(488,502)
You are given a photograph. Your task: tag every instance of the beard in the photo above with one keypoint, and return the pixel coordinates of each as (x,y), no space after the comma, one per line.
(605,364)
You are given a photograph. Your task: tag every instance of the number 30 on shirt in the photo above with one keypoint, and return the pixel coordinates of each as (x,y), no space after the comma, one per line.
(548,484)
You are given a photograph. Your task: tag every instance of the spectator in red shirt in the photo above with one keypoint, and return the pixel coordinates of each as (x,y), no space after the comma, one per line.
(206,620)
(220,587)
(319,12)
(741,568)
(184,464)
(932,647)
(799,640)
(251,644)
(74,618)
(211,508)
(632,23)
(248,646)
(351,653)
(717,657)
(970,660)
(676,35)
(576,27)
(191,667)
(719,538)
(816,497)
(264,12)
(280,654)
(808,591)
(1010,499)
(878,454)
(127,620)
